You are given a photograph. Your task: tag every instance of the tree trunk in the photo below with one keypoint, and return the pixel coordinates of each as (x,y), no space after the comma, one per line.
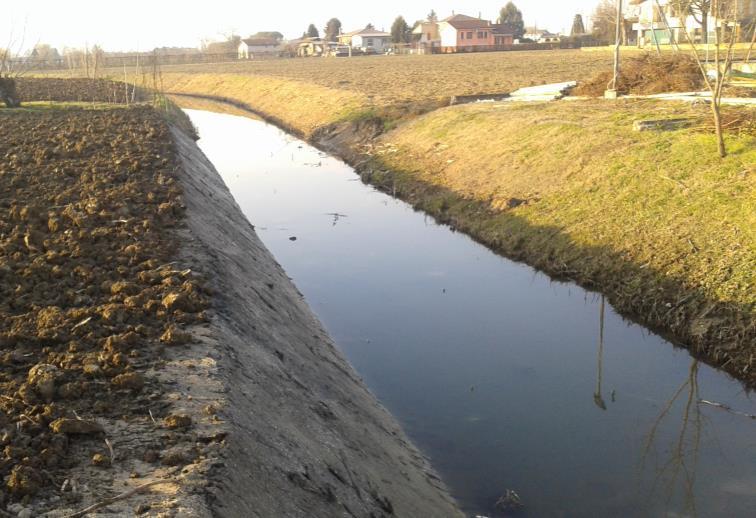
(705,28)
(718,128)
(8,93)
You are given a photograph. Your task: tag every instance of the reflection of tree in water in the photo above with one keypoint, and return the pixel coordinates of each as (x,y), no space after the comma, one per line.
(677,464)
(598,397)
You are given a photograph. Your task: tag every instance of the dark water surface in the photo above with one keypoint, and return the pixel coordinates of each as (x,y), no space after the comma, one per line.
(497,372)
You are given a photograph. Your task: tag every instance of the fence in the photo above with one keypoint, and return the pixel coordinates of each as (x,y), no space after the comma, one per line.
(119,61)
(564,44)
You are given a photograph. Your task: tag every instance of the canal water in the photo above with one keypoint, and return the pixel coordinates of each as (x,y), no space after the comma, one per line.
(505,378)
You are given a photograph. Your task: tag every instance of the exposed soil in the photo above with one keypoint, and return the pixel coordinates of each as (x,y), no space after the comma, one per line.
(118,378)
(89,295)
(76,90)
(648,74)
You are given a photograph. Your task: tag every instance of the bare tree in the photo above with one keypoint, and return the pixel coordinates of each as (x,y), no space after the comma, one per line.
(725,14)
(605,21)
(10,69)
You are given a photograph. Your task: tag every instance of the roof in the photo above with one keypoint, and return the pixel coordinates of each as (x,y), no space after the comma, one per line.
(367,32)
(504,29)
(461,21)
(261,42)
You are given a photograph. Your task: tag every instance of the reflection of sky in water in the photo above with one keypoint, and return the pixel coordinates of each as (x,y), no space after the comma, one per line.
(491,367)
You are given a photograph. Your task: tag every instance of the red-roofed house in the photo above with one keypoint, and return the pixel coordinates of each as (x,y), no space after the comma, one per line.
(460,31)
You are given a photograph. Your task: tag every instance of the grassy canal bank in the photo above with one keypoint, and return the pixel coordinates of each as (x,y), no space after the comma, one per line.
(655,220)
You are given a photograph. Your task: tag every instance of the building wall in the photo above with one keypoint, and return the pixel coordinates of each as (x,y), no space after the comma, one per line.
(448,35)
(428,32)
(474,37)
(452,37)
(378,43)
(500,40)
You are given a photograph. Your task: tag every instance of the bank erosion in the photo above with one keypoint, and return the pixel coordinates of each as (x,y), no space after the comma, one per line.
(156,359)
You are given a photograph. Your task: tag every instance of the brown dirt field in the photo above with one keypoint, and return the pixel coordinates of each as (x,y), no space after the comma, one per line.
(396,79)
(89,295)
(76,90)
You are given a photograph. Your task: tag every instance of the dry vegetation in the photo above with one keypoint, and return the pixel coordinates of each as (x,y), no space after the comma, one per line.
(649,74)
(89,295)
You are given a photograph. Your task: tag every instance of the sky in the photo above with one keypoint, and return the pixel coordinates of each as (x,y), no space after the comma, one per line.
(146,24)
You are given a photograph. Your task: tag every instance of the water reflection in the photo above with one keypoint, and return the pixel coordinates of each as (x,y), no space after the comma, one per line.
(598,399)
(673,466)
(493,369)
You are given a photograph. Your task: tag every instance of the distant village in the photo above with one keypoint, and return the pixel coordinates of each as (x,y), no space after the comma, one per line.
(645,23)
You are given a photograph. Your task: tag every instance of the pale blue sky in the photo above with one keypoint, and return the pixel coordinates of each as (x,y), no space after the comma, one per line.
(143,24)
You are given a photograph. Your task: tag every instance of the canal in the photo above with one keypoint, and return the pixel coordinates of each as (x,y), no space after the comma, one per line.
(505,378)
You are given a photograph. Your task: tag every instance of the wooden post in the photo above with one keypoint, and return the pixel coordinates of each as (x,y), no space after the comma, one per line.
(617,43)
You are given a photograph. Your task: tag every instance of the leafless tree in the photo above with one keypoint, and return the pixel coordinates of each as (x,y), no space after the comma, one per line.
(725,14)
(605,22)
(10,69)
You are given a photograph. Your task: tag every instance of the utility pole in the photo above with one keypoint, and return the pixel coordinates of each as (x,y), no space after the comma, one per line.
(611,93)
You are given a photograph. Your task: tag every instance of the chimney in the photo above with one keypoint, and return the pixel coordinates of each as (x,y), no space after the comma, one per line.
(480,15)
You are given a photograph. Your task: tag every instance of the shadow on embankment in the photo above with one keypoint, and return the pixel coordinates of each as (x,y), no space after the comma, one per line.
(719,333)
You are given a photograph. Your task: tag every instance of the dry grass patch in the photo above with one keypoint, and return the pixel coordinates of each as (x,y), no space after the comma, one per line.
(298,106)
(580,167)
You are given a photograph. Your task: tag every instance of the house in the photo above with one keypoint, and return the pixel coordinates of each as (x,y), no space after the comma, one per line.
(252,47)
(503,34)
(367,40)
(426,35)
(312,47)
(659,22)
(465,31)
(541,36)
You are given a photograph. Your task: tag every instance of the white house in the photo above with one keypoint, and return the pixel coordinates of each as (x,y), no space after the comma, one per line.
(658,26)
(252,47)
(367,39)
(541,35)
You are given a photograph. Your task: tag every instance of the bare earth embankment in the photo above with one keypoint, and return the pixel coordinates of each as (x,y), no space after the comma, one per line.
(654,220)
(153,349)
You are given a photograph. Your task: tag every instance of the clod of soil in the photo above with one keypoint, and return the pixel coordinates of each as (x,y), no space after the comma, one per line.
(88,199)
(76,426)
(174,422)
